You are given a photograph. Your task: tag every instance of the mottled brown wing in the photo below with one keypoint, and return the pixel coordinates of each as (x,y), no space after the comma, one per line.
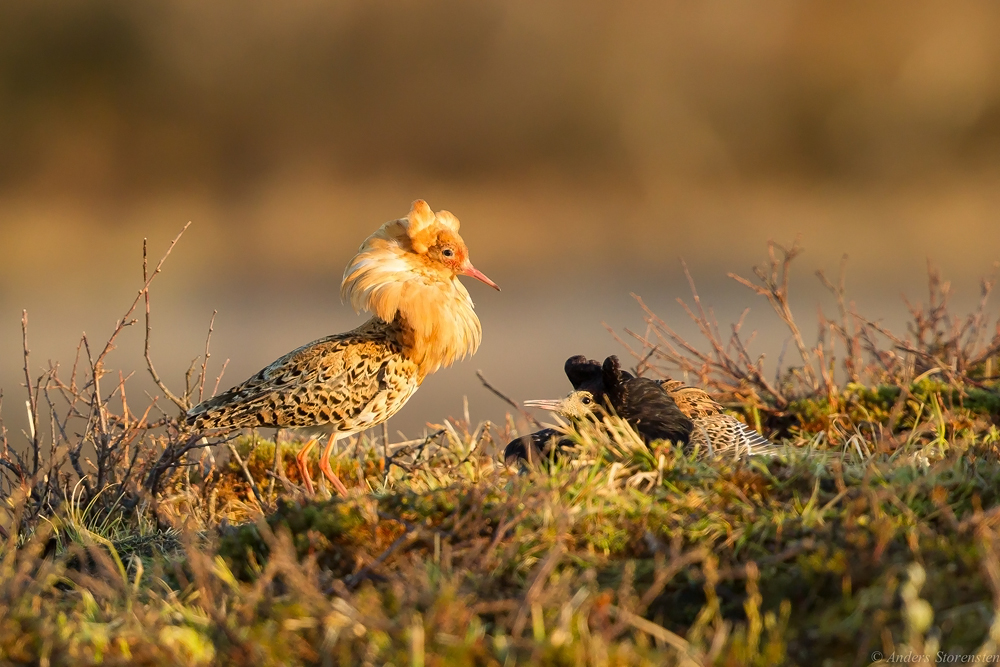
(670,385)
(351,380)
(692,401)
(725,433)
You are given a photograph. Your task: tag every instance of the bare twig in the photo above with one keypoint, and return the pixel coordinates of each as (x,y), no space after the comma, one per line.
(215,389)
(717,368)
(204,361)
(32,396)
(171,456)
(692,656)
(509,401)
(775,290)
(184,405)
(246,472)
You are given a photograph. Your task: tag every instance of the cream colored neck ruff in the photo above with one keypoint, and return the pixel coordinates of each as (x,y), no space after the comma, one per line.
(388,279)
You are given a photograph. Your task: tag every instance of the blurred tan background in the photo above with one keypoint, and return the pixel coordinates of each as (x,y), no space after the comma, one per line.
(585,146)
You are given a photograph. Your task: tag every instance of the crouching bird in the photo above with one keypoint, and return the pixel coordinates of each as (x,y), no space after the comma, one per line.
(712,429)
(406,275)
(641,402)
(655,409)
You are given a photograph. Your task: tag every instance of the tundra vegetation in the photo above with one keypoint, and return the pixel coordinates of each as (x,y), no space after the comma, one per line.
(129,539)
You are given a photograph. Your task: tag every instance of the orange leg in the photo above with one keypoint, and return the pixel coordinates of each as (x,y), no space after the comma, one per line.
(324,465)
(302,458)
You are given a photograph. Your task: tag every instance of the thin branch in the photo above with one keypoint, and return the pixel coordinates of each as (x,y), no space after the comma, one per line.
(509,401)
(246,473)
(204,363)
(32,397)
(775,290)
(144,292)
(215,389)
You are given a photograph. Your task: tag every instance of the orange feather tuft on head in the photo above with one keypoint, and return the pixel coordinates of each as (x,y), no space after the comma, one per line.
(420,227)
(408,269)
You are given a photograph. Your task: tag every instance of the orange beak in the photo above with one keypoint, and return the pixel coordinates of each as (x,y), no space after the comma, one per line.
(473,272)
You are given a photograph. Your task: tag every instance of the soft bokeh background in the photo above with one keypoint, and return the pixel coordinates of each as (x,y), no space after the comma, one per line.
(584,145)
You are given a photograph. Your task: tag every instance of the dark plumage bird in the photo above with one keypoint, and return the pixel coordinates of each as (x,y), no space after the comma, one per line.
(712,429)
(641,402)
(588,375)
(656,410)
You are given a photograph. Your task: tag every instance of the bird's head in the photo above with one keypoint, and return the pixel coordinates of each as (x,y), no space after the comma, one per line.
(578,405)
(403,257)
(439,247)
(409,268)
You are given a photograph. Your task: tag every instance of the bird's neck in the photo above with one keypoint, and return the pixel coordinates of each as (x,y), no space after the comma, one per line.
(440,327)
(434,330)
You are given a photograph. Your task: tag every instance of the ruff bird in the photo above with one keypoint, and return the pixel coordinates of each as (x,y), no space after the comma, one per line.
(712,427)
(588,375)
(651,407)
(641,402)
(406,275)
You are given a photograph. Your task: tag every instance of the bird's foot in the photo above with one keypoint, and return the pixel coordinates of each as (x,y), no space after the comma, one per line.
(302,459)
(324,465)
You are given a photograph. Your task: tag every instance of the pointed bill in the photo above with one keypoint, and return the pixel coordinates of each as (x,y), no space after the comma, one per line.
(473,272)
(545,404)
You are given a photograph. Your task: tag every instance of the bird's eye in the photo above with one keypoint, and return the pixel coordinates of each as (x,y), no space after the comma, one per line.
(448,252)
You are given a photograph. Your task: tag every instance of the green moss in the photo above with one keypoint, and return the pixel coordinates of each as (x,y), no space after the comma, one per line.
(802,557)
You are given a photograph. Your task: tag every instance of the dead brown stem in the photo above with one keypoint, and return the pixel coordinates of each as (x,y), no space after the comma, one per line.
(184,405)
(32,396)
(204,360)
(509,401)
(775,290)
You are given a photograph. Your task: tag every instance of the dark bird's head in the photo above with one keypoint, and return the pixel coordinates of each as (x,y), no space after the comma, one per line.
(536,448)
(580,370)
(615,381)
(588,375)
(642,402)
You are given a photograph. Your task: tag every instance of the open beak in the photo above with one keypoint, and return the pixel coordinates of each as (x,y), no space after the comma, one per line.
(472,271)
(544,404)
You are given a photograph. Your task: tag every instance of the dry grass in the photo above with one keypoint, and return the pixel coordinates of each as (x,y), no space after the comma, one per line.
(128,542)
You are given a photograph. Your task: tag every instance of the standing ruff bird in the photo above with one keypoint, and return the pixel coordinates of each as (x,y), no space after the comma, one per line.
(406,275)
